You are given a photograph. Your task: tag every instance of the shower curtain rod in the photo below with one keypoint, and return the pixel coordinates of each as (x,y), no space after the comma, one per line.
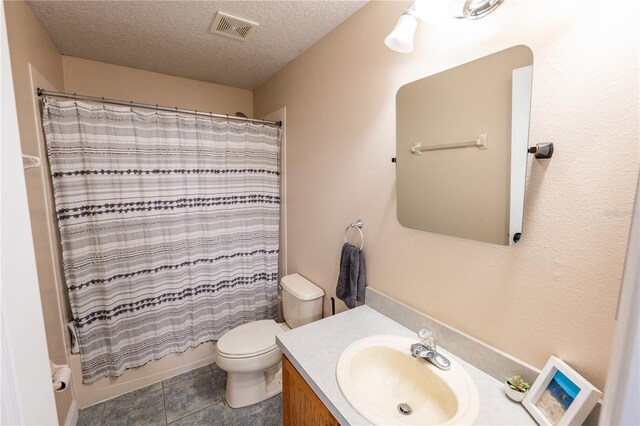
(42,92)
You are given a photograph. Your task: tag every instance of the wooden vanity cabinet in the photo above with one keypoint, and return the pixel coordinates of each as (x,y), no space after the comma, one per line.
(300,405)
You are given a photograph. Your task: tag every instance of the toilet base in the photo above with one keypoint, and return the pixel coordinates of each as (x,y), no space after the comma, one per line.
(248,388)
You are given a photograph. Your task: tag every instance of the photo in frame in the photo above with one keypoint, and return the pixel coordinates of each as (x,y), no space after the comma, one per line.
(560,396)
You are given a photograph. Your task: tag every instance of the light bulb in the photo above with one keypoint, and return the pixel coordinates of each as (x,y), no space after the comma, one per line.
(401,38)
(437,12)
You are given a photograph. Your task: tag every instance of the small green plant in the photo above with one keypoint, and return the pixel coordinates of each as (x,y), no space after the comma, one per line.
(517,383)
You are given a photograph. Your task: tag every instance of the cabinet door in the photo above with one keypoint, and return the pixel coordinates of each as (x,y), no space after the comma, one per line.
(300,405)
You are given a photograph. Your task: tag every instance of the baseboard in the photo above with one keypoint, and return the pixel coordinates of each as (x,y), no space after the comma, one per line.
(72,414)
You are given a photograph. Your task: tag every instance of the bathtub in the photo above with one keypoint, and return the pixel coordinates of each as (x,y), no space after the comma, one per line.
(153,372)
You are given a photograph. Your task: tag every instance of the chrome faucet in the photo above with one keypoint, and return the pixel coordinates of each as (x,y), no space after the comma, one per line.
(428,350)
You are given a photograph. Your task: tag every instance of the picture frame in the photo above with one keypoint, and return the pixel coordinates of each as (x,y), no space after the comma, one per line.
(560,396)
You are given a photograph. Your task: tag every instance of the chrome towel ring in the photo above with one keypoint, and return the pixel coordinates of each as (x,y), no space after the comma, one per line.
(358,225)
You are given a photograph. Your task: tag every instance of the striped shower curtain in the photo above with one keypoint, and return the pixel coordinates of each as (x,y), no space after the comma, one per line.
(169,228)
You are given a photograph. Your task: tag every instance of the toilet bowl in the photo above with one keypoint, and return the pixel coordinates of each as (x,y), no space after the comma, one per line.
(249,354)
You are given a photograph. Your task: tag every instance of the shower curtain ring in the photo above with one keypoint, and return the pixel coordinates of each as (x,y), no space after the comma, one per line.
(131,106)
(156,109)
(103,107)
(75,99)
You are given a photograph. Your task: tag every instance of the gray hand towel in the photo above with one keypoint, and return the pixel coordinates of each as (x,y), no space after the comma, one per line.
(351,281)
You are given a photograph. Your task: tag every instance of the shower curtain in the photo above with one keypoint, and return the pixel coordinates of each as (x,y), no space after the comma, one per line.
(169,228)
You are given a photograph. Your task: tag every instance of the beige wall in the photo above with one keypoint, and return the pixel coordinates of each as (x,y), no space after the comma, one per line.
(113,81)
(35,58)
(555,292)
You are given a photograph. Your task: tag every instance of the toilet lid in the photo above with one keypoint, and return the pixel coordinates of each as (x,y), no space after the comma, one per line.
(250,339)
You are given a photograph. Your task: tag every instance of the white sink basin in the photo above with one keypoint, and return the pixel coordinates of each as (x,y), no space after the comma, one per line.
(378,373)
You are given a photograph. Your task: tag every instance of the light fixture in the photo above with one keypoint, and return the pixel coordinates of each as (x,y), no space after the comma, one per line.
(401,38)
(476,9)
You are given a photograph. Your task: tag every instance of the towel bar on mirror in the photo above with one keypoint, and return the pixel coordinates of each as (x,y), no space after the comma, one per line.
(358,225)
(481,142)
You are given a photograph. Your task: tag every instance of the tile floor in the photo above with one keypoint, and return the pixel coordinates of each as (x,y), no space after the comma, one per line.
(192,398)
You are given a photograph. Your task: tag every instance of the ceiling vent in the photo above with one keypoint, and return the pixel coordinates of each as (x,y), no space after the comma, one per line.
(232,26)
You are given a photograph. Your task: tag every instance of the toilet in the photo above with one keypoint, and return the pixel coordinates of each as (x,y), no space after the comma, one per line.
(249,354)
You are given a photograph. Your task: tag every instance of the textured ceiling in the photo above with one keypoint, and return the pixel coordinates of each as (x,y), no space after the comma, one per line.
(172,37)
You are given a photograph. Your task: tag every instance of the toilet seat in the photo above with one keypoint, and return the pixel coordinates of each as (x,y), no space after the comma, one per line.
(249,340)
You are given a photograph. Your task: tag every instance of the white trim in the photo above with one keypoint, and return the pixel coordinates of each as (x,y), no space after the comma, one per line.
(581,406)
(24,344)
(621,389)
(520,111)
(10,404)
(72,414)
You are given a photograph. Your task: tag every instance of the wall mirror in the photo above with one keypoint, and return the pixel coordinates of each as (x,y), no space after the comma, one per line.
(461,148)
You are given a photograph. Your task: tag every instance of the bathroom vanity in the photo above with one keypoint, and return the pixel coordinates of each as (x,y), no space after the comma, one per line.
(311,394)
(300,405)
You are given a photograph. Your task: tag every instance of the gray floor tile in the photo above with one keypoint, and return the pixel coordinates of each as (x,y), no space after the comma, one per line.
(215,414)
(90,416)
(191,395)
(184,376)
(147,409)
(265,413)
(192,398)
(220,376)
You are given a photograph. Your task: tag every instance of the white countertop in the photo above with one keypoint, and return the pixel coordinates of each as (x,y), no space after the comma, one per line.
(314,350)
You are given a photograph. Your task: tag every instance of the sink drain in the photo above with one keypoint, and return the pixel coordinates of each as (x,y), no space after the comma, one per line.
(405,408)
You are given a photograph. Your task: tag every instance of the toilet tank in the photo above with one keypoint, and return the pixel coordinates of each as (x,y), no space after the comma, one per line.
(301,300)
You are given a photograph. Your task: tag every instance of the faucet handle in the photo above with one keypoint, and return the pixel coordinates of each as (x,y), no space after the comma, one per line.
(427,338)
